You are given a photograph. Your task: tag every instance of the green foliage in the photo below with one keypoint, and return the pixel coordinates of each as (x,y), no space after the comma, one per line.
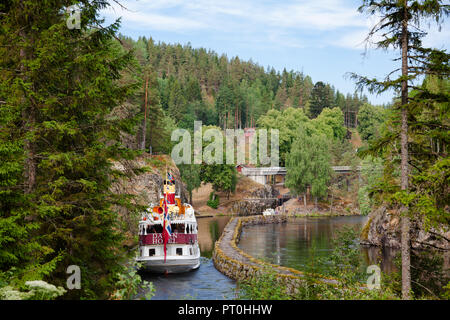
(428,275)
(329,122)
(190,174)
(308,165)
(344,263)
(291,121)
(288,122)
(223,177)
(370,119)
(213,201)
(177,101)
(130,283)
(264,287)
(420,124)
(447,291)
(58,140)
(370,179)
(427,195)
(199,84)
(321,97)
(157,129)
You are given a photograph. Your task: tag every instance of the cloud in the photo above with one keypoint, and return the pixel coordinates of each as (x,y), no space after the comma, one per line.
(318,15)
(290,23)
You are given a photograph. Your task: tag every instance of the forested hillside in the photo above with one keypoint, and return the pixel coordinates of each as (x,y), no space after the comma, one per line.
(187,84)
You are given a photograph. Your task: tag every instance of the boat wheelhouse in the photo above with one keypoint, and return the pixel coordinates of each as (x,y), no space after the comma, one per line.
(182,252)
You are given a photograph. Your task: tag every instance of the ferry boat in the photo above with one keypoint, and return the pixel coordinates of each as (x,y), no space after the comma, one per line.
(168,231)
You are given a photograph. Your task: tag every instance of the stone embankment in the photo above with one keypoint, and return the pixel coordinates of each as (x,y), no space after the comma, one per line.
(238,265)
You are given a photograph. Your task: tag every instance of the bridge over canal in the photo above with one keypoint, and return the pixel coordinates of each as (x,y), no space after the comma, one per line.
(266,175)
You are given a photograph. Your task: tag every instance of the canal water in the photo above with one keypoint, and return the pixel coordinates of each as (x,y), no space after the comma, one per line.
(286,244)
(296,243)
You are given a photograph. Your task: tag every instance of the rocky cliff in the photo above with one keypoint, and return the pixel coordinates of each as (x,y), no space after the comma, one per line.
(383,229)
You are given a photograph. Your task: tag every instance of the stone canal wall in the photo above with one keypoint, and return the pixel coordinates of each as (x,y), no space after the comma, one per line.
(240,266)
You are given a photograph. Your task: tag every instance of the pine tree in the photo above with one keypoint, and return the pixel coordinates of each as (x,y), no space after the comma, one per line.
(177,102)
(155,130)
(320,98)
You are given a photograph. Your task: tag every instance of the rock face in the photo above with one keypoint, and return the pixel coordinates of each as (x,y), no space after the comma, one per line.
(146,184)
(383,229)
(258,201)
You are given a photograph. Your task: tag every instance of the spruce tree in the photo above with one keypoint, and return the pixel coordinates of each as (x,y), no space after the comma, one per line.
(400,28)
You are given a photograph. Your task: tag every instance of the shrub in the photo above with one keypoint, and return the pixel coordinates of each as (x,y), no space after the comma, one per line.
(213,201)
(33,290)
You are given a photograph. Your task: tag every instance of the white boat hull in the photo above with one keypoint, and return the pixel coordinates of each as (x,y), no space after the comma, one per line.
(171,265)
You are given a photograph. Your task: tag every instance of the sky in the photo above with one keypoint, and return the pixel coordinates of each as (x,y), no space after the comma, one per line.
(321,38)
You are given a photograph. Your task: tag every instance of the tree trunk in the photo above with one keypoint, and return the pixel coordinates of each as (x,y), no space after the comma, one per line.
(190,197)
(29,119)
(304,199)
(405,223)
(331,206)
(144,122)
(315,203)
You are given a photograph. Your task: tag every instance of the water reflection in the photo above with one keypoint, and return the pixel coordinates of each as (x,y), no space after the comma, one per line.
(205,283)
(209,231)
(301,240)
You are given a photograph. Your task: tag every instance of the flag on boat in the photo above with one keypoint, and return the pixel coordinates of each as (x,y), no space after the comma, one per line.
(170,177)
(167,230)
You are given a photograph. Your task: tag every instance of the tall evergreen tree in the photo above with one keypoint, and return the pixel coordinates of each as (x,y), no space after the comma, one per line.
(57,144)
(177,101)
(400,27)
(155,129)
(320,98)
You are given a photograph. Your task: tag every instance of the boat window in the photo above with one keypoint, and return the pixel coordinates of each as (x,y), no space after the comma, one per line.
(151,252)
(179,251)
(158,228)
(178,228)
